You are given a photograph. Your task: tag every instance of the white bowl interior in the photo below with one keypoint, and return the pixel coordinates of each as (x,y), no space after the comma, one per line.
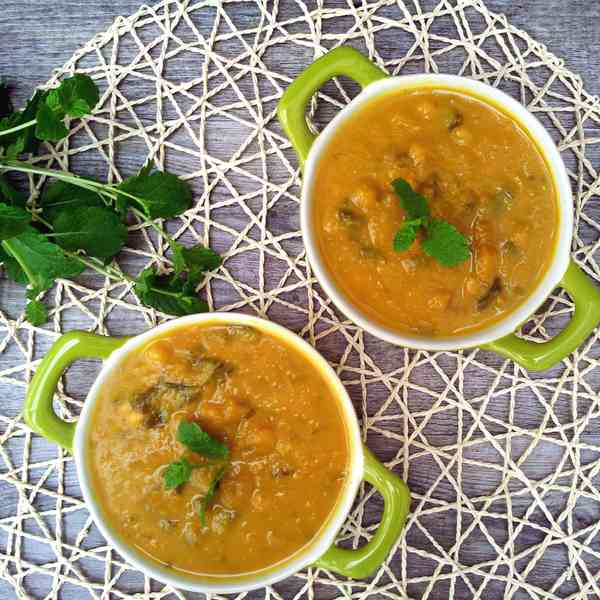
(537,132)
(301,559)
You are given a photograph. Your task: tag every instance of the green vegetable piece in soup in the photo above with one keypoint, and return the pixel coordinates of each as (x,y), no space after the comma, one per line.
(492,293)
(349,217)
(160,401)
(454,119)
(243,332)
(370,253)
(503,199)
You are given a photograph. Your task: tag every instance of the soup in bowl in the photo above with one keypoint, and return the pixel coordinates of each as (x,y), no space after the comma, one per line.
(436,211)
(218,452)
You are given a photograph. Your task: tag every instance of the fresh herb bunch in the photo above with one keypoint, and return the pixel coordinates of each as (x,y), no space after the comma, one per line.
(441,241)
(178,473)
(80,222)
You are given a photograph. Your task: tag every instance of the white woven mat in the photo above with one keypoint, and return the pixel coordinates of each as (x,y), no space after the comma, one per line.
(503,465)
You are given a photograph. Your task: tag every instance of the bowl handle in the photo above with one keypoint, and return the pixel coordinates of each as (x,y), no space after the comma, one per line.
(364,561)
(37,411)
(291,109)
(537,356)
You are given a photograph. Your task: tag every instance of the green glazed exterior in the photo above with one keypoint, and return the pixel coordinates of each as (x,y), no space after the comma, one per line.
(37,411)
(534,356)
(537,356)
(40,416)
(363,562)
(291,109)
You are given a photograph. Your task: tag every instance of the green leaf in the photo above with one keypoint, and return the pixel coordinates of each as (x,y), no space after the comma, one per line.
(13,221)
(23,140)
(196,260)
(177,473)
(36,312)
(49,126)
(41,260)
(192,436)
(407,234)
(61,195)
(179,265)
(13,268)
(210,494)
(160,194)
(9,194)
(96,229)
(414,204)
(13,119)
(173,296)
(445,243)
(75,96)
(199,258)
(18,147)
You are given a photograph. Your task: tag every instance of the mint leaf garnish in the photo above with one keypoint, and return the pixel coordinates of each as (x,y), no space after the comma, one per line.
(193,437)
(407,234)
(445,243)
(414,204)
(442,240)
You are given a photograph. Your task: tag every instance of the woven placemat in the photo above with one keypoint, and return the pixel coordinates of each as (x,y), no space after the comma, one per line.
(503,465)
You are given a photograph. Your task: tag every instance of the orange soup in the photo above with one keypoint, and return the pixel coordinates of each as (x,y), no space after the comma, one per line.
(217,450)
(477,170)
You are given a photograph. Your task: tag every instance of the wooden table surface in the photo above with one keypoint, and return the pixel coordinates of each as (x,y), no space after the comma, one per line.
(36,36)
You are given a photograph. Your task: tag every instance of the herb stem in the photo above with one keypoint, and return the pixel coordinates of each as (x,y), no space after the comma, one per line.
(18,127)
(26,167)
(43,221)
(104,189)
(96,265)
(152,224)
(8,247)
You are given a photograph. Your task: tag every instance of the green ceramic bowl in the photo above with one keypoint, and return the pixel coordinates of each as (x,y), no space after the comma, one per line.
(321,551)
(562,272)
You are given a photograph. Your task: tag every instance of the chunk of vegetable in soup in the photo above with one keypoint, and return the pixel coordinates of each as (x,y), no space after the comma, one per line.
(478,170)
(277,440)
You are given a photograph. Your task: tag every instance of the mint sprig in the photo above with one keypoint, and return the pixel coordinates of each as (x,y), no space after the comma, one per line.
(193,437)
(80,222)
(442,240)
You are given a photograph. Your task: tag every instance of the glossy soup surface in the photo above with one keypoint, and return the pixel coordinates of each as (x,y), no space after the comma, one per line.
(263,399)
(478,169)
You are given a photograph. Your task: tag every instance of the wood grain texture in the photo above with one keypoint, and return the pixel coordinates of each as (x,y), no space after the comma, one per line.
(37,36)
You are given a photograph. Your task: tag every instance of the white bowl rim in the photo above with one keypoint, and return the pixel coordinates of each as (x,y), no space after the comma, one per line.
(225,584)
(536,130)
